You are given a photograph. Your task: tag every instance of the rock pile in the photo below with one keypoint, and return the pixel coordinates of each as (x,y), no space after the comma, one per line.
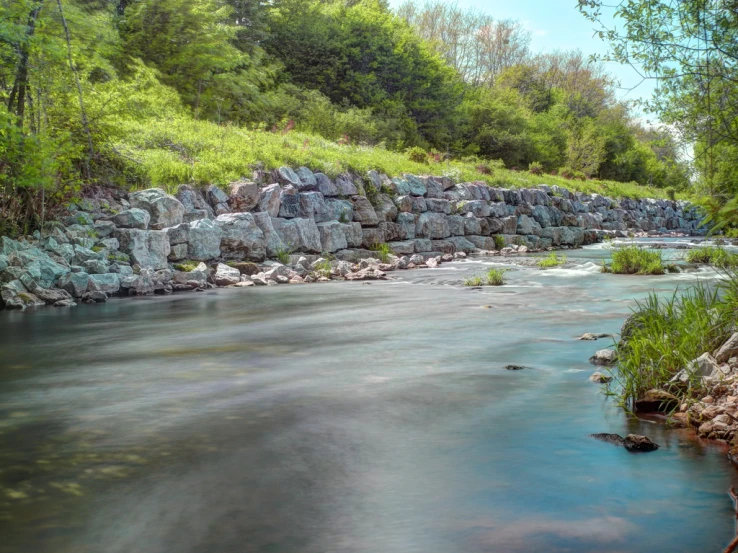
(150,241)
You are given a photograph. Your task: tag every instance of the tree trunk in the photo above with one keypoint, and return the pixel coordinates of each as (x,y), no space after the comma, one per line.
(20,86)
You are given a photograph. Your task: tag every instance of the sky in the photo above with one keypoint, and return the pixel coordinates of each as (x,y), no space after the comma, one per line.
(557,24)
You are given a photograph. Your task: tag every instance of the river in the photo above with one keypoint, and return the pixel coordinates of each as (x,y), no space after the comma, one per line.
(344,417)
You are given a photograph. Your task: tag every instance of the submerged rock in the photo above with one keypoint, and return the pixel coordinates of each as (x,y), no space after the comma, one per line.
(632,442)
(589,336)
(600,378)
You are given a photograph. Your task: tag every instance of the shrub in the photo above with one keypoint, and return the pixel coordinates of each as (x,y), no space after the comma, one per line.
(417,155)
(571,174)
(632,260)
(383,251)
(535,168)
(553,260)
(187,266)
(671,193)
(499,241)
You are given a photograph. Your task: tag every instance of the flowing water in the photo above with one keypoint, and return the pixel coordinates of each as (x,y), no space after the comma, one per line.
(344,417)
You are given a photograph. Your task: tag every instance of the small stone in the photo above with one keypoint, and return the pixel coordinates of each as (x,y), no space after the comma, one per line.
(589,336)
(600,378)
(634,442)
(604,357)
(708,399)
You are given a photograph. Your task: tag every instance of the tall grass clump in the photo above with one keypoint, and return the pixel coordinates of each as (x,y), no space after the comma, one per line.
(383,252)
(632,260)
(493,277)
(283,256)
(499,241)
(665,334)
(713,255)
(551,261)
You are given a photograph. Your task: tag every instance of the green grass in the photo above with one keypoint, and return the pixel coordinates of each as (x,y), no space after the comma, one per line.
(323,268)
(283,256)
(499,241)
(179,150)
(667,333)
(186,266)
(383,252)
(493,277)
(632,260)
(553,260)
(713,255)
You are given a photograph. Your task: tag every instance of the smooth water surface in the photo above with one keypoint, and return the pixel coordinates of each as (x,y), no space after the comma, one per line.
(344,417)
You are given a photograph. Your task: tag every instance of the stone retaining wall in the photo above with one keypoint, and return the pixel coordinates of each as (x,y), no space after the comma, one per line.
(131,243)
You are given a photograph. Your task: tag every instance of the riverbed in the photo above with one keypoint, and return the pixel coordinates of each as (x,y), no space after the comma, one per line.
(345,417)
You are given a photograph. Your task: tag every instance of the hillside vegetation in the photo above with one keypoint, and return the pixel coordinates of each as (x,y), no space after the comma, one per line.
(136,93)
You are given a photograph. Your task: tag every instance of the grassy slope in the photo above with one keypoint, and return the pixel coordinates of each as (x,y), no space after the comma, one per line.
(186,151)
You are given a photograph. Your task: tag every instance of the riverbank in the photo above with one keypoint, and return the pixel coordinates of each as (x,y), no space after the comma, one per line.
(296,226)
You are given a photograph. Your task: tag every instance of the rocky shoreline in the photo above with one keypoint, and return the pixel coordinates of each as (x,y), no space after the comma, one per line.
(296,226)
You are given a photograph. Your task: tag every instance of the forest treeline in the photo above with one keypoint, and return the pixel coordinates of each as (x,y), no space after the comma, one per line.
(83,82)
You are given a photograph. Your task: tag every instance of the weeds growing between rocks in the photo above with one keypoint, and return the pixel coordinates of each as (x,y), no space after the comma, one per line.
(383,252)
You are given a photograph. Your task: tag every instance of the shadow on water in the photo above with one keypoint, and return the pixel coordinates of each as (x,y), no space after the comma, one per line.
(343,418)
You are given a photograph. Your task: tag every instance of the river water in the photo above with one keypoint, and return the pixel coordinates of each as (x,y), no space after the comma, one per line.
(344,417)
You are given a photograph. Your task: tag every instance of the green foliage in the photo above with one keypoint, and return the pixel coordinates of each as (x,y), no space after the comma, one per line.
(632,260)
(493,277)
(499,241)
(186,266)
(382,251)
(417,155)
(324,268)
(552,260)
(668,333)
(713,255)
(535,168)
(283,256)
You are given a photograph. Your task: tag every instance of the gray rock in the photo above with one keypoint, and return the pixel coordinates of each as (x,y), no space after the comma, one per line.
(408,222)
(95,267)
(432,225)
(103,229)
(461,244)
(204,240)
(346,186)
(78,218)
(289,200)
(478,208)
(141,284)
(274,243)
(226,276)
(108,283)
(385,208)
(307,180)
(217,199)
(313,206)
(340,210)
(364,212)
(604,357)
(244,196)
(147,248)
(326,186)
(372,237)
(75,283)
(728,349)
(52,296)
(241,237)
(269,201)
(194,203)
(417,186)
(165,210)
(354,234)
(299,234)
(332,236)
(438,206)
(133,218)
(287,177)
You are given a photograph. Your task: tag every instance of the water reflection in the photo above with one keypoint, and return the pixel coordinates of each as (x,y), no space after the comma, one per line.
(343,418)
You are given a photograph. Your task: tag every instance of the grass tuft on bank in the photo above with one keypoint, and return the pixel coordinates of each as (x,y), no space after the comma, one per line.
(713,255)
(632,260)
(168,153)
(552,261)
(665,334)
(493,277)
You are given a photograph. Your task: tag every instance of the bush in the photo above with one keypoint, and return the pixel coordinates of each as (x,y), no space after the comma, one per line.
(535,168)
(571,174)
(417,155)
(499,241)
(553,260)
(632,260)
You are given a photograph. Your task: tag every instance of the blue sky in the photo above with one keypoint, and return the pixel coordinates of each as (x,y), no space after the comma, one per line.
(557,24)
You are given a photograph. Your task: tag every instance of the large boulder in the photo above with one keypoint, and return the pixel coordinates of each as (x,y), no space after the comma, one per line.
(340,210)
(108,283)
(165,210)
(313,206)
(75,283)
(432,225)
(269,199)
(132,218)
(217,199)
(346,186)
(408,222)
(289,201)
(332,236)
(385,208)
(299,235)
(194,203)
(326,186)
(244,196)
(201,239)
(147,248)
(241,237)
(364,212)
(274,243)
(226,276)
